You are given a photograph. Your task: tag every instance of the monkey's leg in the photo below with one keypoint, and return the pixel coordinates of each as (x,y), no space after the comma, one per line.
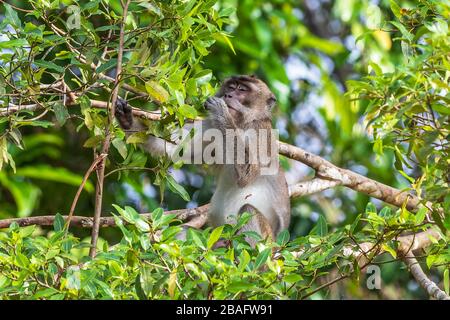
(257,223)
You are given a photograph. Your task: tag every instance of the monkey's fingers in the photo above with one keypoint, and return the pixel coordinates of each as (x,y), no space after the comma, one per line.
(214,104)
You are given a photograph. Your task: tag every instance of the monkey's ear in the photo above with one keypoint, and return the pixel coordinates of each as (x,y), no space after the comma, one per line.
(271,102)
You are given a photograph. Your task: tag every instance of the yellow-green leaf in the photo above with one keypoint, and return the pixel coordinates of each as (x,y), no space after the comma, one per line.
(172,283)
(156,91)
(214,236)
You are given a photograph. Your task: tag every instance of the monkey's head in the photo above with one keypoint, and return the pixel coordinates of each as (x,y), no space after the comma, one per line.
(249,91)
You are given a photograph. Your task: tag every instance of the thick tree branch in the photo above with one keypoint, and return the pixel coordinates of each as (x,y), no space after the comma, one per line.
(327,170)
(312,186)
(88,222)
(195,217)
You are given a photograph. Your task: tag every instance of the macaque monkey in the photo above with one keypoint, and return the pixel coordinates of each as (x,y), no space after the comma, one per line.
(243,105)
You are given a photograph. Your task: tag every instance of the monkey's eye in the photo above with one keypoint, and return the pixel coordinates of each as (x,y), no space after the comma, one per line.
(242,88)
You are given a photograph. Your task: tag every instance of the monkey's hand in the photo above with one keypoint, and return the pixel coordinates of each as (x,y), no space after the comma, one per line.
(216,106)
(124,114)
(219,113)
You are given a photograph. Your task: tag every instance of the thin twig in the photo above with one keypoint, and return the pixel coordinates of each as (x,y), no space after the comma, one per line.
(80,188)
(16,8)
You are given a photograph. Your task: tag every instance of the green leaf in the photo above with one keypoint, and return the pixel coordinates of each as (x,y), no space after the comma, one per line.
(445,110)
(446,281)
(138,137)
(376,68)
(292,278)
(326,46)
(387,248)
(128,215)
(106,66)
(370,207)
(355,224)
(22,261)
(121,147)
(226,39)
(214,236)
(61,113)
(142,225)
(11,16)
(405,33)
(322,228)
(156,91)
(145,242)
(93,142)
(45,293)
(420,215)
(188,111)
(197,238)
(283,237)
(395,9)
(177,188)
(49,65)
(240,285)
(58,223)
(13,43)
(27,231)
(262,258)
(203,77)
(386,213)
(138,287)
(24,193)
(157,214)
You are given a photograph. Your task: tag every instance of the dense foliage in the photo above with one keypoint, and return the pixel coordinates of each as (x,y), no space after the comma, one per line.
(315,55)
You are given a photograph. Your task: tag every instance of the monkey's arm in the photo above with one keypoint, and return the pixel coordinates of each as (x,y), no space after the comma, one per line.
(154,145)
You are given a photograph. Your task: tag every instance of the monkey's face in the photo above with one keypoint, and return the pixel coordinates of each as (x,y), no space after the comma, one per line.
(249,91)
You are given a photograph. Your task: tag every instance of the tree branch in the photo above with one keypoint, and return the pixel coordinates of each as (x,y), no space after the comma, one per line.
(80,188)
(88,222)
(312,186)
(429,286)
(195,217)
(13,108)
(326,170)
